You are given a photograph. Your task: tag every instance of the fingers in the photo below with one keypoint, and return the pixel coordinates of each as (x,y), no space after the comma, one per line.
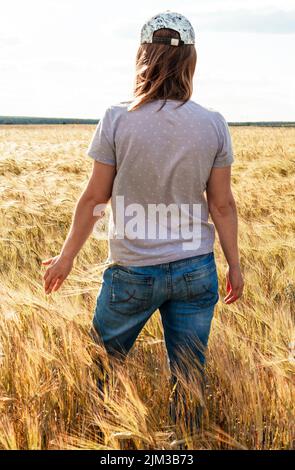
(52,284)
(228,285)
(46,274)
(57,284)
(233,295)
(47,261)
(234,284)
(230,300)
(49,283)
(50,279)
(55,274)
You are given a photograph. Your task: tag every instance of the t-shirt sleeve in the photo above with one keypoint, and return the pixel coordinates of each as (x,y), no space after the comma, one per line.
(224,155)
(102,146)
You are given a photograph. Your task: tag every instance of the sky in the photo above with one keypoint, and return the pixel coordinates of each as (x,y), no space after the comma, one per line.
(74,58)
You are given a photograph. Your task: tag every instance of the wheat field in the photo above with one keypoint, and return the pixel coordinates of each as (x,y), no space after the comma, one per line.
(48,394)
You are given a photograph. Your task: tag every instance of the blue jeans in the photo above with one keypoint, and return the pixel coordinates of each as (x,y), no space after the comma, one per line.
(185,292)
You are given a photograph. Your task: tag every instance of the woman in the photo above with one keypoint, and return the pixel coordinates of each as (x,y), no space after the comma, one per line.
(155,157)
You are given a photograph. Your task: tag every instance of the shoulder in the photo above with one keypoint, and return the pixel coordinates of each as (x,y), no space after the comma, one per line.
(111,113)
(217,120)
(211,113)
(218,117)
(114,111)
(118,107)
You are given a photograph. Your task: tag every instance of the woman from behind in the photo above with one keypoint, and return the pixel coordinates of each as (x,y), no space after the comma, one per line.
(164,163)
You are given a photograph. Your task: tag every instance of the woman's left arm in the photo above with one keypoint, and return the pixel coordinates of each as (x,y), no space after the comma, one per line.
(97,191)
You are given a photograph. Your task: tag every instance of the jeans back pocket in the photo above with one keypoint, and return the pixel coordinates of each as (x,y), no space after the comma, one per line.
(130,293)
(202,285)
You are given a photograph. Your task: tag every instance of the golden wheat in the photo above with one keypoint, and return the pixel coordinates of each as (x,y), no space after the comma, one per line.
(48,394)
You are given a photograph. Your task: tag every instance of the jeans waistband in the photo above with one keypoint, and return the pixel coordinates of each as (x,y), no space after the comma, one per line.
(187,261)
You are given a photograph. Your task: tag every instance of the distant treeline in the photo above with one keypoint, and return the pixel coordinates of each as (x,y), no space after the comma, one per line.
(21,120)
(40,120)
(264,123)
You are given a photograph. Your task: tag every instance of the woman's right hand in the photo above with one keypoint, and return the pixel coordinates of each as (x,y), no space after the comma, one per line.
(234,284)
(59,267)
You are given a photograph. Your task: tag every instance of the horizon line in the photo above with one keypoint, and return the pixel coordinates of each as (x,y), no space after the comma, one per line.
(27,120)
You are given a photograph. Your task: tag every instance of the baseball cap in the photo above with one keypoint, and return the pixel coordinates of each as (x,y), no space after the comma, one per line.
(171,20)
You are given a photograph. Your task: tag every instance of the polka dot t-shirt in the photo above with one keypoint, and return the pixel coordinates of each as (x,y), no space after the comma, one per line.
(163,159)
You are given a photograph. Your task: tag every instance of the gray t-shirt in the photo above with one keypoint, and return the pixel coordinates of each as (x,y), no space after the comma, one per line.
(159,211)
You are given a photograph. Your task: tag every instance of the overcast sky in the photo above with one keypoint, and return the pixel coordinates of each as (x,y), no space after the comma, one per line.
(72,58)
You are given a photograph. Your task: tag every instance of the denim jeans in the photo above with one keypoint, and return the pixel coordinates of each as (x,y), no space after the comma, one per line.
(185,292)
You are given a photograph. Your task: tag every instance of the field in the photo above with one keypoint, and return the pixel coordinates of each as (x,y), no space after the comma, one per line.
(48,395)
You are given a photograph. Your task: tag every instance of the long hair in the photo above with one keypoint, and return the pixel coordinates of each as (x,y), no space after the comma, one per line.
(163,71)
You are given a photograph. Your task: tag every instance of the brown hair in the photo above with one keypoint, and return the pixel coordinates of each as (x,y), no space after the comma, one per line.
(163,71)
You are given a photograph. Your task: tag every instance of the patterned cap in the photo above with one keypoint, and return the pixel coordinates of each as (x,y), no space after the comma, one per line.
(172,20)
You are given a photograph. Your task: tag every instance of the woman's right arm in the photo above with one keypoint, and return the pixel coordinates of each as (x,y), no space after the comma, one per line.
(223,212)
(97,191)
